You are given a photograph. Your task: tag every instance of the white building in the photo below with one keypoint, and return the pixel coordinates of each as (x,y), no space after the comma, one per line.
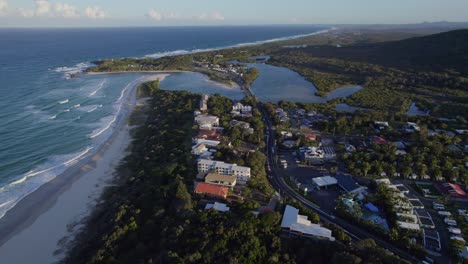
(207,121)
(204,102)
(298,225)
(207,142)
(199,149)
(220,207)
(242,173)
(239,107)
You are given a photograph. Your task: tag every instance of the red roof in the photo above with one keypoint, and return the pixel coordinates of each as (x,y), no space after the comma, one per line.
(453,190)
(211,189)
(311,136)
(379,141)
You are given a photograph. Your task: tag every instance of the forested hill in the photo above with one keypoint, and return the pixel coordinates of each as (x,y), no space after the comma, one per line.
(438,52)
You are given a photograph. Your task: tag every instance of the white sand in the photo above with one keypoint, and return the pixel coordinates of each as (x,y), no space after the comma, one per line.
(31,231)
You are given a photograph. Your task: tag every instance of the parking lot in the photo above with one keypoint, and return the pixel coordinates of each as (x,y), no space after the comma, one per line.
(302,175)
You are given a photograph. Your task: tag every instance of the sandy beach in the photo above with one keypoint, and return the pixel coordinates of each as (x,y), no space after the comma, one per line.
(38,228)
(121,72)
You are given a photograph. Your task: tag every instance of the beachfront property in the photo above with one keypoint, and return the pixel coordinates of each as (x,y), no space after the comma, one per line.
(219,179)
(207,121)
(294,224)
(242,173)
(204,102)
(282,115)
(220,207)
(242,110)
(211,190)
(242,125)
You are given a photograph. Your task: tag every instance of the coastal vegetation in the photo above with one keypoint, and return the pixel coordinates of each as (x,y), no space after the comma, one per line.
(391,66)
(151,216)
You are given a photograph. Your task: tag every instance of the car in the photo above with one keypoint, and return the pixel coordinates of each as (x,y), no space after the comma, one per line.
(445,213)
(455,231)
(450,222)
(459,238)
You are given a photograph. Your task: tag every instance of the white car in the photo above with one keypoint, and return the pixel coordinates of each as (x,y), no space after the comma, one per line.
(457,238)
(438,207)
(454,230)
(445,213)
(450,222)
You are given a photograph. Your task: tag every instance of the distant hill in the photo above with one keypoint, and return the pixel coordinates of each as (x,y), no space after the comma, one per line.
(438,52)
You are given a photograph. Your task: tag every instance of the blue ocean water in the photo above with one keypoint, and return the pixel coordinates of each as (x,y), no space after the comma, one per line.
(49,122)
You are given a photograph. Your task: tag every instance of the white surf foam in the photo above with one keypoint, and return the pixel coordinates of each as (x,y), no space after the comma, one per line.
(100,86)
(64,101)
(185,52)
(13,192)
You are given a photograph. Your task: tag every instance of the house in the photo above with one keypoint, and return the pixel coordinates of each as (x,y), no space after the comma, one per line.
(379,141)
(282,115)
(210,134)
(242,173)
(211,143)
(242,125)
(204,102)
(313,155)
(325,181)
(349,185)
(223,180)
(207,121)
(380,125)
(454,190)
(239,107)
(212,190)
(411,127)
(295,224)
(220,207)
(311,136)
(199,149)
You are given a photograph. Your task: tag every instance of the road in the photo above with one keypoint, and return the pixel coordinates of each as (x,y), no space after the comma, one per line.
(277,181)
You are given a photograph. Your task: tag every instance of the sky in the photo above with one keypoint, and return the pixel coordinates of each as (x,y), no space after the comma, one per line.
(94,13)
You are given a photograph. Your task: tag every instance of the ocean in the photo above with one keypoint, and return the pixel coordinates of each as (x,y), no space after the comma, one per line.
(49,122)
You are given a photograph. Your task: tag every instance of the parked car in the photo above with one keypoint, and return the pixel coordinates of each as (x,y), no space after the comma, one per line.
(445,213)
(450,222)
(454,230)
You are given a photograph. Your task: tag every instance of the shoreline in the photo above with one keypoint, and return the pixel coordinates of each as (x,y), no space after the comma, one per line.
(122,72)
(45,219)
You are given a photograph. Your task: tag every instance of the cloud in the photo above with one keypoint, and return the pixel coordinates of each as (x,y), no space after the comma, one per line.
(3,6)
(159,16)
(25,12)
(215,16)
(43,7)
(65,10)
(154,15)
(95,12)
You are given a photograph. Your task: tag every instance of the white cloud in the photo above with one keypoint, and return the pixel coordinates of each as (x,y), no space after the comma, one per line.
(25,12)
(215,16)
(95,12)
(159,16)
(3,6)
(43,7)
(155,15)
(65,10)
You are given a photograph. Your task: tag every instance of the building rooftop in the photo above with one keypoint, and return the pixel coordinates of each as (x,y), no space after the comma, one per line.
(347,183)
(299,223)
(220,207)
(211,189)
(214,177)
(324,181)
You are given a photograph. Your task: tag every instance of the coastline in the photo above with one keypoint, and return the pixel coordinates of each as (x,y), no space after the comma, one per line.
(47,218)
(121,72)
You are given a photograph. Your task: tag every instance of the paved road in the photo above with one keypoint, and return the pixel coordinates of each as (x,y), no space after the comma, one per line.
(277,181)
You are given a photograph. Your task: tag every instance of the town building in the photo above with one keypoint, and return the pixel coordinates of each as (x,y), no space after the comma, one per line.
(219,179)
(204,102)
(212,190)
(295,224)
(349,185)
(242,173)
(241,108)
(220,207)
(323,182)
(207,121)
